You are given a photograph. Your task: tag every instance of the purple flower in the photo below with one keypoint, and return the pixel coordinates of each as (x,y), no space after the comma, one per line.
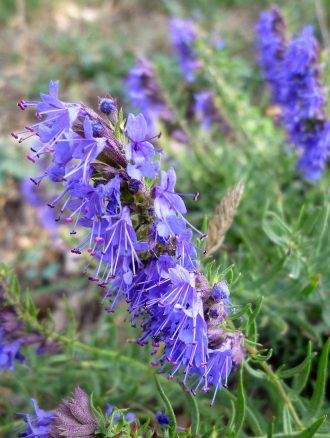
(186,251)
(86,150)
(140,245)
(36,198)
(107,106)
(9,352)
(56,119)
(167,205)
(217,369)
(271,48)
(38,425)
(139,150)
(294,73)
(184,34)
(206,110)
(129,416)
(74,417)
(162,419)
(145,94)
(314,157)
(221,292)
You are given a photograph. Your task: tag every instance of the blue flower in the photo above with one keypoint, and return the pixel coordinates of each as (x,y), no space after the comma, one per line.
(38,425)
(271,48)
(9,352)
(293,71)
(184,34)
(139,150)
(167,205)
(162,419)
(107,106)
(217,369)
(139,241)
(205,108)
(129,416)
(145,94)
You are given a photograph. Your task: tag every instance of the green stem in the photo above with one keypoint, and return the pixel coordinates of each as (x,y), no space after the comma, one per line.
(194,412)
(109,354)
(168,407)
(278,385)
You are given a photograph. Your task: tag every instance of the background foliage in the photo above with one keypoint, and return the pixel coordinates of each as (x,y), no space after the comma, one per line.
(275,255)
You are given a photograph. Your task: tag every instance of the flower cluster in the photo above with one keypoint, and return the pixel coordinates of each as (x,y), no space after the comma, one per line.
(293,71)
(207,111)
(145,94)
(140,243)
(38,424)
(184,34)
(271,48)
(72,418)
(75,417)
(14,336)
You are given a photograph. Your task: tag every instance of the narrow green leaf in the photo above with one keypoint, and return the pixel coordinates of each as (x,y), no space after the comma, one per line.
(261,358)
(270,274)
(323,223)
(310,431)
(271,428)
(239,313)
(258,374)
(307,433)
(253,421)
(194,414)
(321,378)
(312,286)
(240,405)
(287,424)
(232,417)
(251,324)
(285,374)
(168,407)
(308,223)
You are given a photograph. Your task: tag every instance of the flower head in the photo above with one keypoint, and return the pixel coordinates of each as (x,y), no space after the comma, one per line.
(145,94)
(140,245)
(38,425)
(292,69)
(183,34)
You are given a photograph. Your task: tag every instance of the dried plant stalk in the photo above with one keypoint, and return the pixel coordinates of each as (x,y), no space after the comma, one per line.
(223,218)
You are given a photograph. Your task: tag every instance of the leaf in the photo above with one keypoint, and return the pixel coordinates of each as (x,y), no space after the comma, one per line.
(240,405)
(307,433)
(253,421)
(258,374)
(261,358)
(251,324)
(239,313)
(309,222)
(168,406)
(312,286)
(287,424)
(285,374)
(271,427)
(323,224)
(270,274)
(194,414)
(321,379)
(310,431)
(276,230)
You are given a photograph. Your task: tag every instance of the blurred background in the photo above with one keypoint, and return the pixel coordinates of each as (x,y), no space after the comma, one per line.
(90,46)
